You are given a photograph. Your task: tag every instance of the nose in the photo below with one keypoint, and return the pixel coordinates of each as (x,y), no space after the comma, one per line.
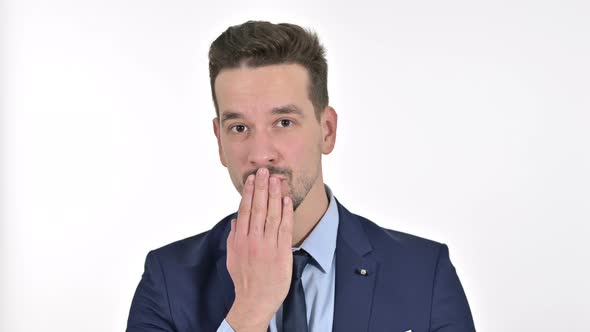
(262,151)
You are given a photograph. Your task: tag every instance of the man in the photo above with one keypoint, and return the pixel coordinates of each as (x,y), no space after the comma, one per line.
(292,258)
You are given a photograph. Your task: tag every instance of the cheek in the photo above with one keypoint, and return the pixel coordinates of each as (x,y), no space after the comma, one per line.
(302,155)
(234,153)
(236,159)
(293,149)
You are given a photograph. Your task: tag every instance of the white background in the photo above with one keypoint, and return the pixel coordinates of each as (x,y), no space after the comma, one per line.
(461,121)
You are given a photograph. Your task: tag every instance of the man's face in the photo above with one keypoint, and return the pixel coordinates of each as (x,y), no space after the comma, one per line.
(266,119)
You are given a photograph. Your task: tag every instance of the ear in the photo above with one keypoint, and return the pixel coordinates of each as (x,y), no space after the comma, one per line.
(216,130)
(329,123)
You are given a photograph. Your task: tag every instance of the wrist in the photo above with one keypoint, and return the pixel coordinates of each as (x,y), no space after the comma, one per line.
(243,318)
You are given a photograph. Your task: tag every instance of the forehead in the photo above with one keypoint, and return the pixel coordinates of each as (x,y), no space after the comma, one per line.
(247,89)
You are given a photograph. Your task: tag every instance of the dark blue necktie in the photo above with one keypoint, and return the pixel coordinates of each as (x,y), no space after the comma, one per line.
(294,312)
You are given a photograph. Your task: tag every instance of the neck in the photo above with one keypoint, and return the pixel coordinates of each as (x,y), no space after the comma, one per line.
(309,212)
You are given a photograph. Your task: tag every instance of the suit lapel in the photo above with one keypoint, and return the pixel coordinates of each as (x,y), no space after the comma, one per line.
(354,289)
(226,284)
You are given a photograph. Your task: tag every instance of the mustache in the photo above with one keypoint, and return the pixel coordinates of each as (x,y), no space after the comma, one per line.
(273,170)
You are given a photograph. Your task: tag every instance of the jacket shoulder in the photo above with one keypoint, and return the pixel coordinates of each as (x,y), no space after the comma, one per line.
(394,237)
(198,247)
(388,243)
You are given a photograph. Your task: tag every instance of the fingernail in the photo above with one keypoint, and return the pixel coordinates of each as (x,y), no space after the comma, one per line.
(262,171)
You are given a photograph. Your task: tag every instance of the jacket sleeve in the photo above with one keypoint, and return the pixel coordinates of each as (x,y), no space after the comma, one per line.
(450,310)
(150,308)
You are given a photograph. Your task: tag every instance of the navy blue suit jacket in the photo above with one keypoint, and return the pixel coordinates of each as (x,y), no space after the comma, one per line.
(410,285)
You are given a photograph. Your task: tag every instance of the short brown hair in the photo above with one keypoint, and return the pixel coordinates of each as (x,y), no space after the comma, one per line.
(259,43)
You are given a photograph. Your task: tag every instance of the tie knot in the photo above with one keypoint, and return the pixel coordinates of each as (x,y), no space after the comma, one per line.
(300,259)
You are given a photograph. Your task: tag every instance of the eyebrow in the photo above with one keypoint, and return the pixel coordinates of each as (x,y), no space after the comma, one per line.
(229,115)
(281,110)
(287,109)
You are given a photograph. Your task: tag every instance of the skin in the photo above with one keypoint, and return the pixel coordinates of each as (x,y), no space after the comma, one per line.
(267,132)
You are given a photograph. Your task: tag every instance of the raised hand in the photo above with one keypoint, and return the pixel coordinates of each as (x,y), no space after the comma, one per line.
(259,256)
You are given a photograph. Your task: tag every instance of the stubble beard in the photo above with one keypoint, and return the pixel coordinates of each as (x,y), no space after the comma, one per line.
(306,183)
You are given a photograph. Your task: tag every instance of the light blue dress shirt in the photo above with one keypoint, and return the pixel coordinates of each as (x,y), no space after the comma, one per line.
(318,275)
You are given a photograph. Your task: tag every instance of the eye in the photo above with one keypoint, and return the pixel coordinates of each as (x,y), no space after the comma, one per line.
(285,123)
(238,128)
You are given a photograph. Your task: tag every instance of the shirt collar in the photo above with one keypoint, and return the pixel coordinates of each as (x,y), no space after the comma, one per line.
(321,242)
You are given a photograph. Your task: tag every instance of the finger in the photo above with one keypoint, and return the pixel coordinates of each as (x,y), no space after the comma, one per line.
(284,188)
(285,234)
(259,203)
(243,222)
(274,209)
(232,231)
